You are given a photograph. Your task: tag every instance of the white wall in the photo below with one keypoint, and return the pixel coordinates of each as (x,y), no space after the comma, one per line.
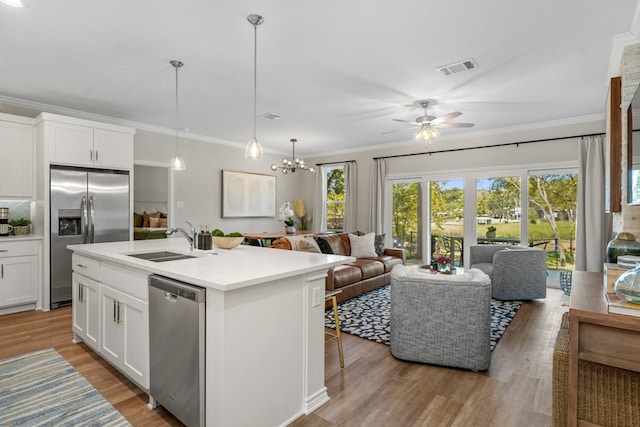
(198,187)
(151,186)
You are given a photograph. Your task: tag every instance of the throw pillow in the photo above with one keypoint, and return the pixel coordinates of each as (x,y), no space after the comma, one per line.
(324,246)
(363,246)
(308,244)
(138,220)
(379,243)
(145,219)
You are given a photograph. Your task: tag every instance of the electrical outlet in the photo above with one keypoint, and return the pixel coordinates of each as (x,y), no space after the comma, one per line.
(317,297)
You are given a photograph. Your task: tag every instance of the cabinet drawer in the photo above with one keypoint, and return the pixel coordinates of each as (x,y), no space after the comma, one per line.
(130,282)
(86,266)
(21,248)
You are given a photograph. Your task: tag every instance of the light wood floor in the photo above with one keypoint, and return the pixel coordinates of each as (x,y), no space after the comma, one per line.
(374,388)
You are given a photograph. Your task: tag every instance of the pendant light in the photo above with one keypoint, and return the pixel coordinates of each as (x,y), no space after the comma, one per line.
(254,149)
(177,162)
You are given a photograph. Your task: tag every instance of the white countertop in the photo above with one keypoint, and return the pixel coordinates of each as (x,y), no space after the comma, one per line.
(230,269)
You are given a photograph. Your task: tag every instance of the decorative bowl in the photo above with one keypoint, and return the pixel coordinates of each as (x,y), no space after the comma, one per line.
(227,242)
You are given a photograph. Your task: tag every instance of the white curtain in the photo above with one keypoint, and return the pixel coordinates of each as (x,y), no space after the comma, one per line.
(319,219)
(376,220)
(591,237)
(351,196)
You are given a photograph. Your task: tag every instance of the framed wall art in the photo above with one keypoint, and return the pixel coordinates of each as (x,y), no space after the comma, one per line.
(248,195)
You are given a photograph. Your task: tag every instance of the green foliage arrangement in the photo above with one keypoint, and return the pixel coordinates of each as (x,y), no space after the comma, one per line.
(19,222)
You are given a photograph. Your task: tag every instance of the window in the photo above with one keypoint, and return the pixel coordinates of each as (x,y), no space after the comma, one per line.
(498,210)
(334,198)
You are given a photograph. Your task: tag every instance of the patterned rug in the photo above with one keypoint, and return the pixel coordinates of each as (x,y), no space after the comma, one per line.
(42,389)
(368,316)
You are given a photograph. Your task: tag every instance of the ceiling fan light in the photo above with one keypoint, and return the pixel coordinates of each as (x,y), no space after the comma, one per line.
(253,150)
(177,163)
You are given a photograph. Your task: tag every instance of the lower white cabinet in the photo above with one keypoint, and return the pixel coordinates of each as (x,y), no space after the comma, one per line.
(125,333)
(86,311)
(19,273)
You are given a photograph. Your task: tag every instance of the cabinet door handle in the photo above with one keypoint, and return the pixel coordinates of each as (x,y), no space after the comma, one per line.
(82,265)
(119,318)
(115,319)
(2,271)
(97,156)
(79,292)
(4,250)
(91,155)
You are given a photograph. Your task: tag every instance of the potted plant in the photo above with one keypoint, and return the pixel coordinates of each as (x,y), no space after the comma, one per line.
(287,216)
(20,226)
(444,263)
(491,232)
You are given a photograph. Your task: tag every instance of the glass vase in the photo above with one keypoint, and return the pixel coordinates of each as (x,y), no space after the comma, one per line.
(627,286)
(444,268)
(624,244)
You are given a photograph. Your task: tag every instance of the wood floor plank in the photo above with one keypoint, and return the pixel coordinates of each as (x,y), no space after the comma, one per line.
(374,388)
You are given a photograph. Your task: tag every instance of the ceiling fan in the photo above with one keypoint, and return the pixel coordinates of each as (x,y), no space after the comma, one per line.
(427,125)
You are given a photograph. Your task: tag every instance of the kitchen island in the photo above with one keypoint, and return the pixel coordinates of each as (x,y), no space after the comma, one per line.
(264,322)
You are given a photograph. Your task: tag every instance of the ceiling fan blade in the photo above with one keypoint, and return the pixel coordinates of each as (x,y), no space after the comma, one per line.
(446,117)
(406,121)
(398,130)
(452,125)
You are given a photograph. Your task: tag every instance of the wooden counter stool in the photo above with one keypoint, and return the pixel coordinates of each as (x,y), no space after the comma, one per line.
(334,302)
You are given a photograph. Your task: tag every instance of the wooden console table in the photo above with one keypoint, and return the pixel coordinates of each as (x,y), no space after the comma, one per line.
(597,336)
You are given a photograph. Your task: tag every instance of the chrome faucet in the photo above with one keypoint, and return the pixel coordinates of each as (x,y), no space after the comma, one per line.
(190,238)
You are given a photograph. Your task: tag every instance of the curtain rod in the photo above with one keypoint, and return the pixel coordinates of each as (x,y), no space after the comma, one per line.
(335,163)
(488,146)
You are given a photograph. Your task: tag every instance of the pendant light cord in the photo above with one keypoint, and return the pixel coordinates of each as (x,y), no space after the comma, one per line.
(177,109)
(255,77)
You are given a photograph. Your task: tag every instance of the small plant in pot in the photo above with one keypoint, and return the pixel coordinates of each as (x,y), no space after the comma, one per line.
(491,232)
(20,226)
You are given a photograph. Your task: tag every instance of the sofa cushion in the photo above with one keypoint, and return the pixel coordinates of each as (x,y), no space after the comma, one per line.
(281,244)
(369,267)
(345,274)
(362,246)
(303,243)
(388,262)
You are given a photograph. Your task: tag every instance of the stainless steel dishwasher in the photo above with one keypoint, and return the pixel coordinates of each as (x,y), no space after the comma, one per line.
(177,348)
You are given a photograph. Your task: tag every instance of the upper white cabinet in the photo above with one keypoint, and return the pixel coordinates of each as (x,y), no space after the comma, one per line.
(17,159)
(79,142)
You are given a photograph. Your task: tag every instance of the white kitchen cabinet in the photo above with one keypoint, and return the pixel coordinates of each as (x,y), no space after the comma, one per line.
(17,159)
(19,273)
(86,311)
(125,334)
(87,146)
(79,142)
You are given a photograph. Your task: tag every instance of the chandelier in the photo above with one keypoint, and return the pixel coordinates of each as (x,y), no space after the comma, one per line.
(293,164)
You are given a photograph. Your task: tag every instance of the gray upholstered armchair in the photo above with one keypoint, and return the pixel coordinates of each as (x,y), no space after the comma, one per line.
(516,272)
(441,319)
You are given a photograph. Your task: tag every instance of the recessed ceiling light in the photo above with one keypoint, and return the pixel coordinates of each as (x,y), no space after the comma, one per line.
(13,3)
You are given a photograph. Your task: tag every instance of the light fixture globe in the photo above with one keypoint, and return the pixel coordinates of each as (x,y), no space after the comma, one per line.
(253,149)
(177,163)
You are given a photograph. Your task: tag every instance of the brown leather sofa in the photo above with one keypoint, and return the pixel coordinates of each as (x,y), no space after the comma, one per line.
(358,277)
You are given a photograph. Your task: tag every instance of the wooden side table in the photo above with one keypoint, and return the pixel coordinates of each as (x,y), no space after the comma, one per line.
(331,295)
(597,336)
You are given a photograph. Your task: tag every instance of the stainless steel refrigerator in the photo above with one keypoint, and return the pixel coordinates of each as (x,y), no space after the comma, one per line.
(87,206)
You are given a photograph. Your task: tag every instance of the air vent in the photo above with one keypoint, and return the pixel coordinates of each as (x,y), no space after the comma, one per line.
(458,67)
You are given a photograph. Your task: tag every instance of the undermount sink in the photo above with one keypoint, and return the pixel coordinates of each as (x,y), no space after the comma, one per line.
(162,256)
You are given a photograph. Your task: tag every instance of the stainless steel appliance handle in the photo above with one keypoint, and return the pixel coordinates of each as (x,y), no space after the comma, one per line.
(85,229)
(92,218)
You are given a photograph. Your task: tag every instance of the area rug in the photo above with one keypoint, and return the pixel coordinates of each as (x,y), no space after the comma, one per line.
(42,389)
(368,316)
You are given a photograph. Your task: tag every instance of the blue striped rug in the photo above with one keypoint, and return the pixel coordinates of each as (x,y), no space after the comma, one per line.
(43,389)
